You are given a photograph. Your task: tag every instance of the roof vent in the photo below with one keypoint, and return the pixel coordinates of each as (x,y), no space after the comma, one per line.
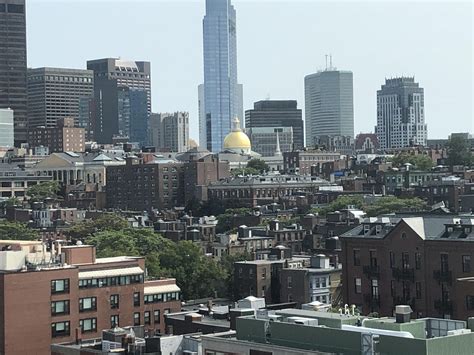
(402,313)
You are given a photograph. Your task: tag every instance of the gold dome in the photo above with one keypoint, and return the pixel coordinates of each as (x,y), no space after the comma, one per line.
(237,139)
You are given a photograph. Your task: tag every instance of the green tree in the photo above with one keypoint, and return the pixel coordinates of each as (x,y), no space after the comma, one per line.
(227,264)
(258,164)
(459,151)
(421,161)
(391,204)
(42,191)
(341,202)
(16,231)
(105,222)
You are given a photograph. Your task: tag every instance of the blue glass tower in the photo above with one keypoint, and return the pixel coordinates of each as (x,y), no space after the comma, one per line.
(220,98)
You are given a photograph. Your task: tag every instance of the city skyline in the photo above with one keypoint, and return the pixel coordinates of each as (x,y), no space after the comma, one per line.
(443,40)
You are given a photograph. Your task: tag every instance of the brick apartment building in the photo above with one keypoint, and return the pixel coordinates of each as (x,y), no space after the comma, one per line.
(423,261)
(66,294)
(157,184)
(65,137)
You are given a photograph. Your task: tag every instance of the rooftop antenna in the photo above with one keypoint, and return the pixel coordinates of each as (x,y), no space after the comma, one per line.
(330,61)
(326,61)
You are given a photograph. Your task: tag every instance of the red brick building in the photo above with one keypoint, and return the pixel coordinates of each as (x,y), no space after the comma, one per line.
(67,294)
(62,138)
(423,261)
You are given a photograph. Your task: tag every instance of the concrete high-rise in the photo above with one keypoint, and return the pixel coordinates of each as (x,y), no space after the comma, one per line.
(401,114)
(329,105)
(55,93)
(112,79)
(169,131)
(13,64)
(276,114)
(221,93)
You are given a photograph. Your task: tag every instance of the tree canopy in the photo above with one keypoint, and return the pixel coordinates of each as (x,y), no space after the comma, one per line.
(105,222)
(421,161)
(42,191)
(258,164)
(383,205)
(16,231)
(224,220)
(459,151)
(245,171)
(196,274)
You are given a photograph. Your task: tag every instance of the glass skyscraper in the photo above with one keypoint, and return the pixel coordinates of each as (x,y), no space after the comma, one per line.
(220,97)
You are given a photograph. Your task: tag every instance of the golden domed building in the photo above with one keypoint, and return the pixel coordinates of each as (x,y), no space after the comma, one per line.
(237,141)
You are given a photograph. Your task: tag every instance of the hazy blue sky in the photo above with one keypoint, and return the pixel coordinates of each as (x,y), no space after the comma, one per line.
(279,42)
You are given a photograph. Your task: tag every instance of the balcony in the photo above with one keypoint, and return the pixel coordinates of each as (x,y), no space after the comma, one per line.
(443,276)
(371,271)
(372,300)
(403,274)
(443,306)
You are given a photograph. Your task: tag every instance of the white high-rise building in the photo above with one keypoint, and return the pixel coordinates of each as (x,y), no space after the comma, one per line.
(220,97)
(169,131)
(329,105)
(6,127)
(401,114)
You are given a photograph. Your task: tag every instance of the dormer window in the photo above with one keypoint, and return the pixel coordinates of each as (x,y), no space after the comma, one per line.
(467,230)
(449,229)
(378,229)
(366,228)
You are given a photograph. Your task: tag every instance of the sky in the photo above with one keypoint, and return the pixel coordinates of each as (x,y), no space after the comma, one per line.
(278,43)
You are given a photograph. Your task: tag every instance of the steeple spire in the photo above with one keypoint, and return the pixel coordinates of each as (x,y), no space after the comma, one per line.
(277,150)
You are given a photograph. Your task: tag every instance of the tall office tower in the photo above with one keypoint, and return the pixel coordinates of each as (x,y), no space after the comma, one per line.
(111,76)
(169,131)
(277,113)
(13,64)
(86,116)
(329,104)
(221,92)
(55,93)
(6,127)
(401,114)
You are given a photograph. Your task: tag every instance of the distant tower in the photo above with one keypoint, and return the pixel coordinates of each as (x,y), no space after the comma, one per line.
(401,114)
(329,104)
(220,97)
(13,92)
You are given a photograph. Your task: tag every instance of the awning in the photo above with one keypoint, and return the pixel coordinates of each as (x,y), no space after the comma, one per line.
(96,274)
(151,290)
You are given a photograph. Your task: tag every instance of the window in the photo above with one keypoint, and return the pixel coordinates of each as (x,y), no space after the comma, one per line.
(289,282)
(356,257)
(60,286)
(87,304)
(393,290)
(114,301)
(88,325)
(418,261)
(373,258)
(375,288)
(444,263)
(59,307)
(60,329)
(418,290)
(466,263)
(136,299)
(405,260)
(16,9)
(156,316)
(264,288)
(114,321)
(470,302)
(136,318)
(264,273)
(392,259)
(358,285)
(406,290)
(147,317)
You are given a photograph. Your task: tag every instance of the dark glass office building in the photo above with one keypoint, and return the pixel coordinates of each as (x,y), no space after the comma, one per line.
(13,92)
(113,80)
(277,113)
